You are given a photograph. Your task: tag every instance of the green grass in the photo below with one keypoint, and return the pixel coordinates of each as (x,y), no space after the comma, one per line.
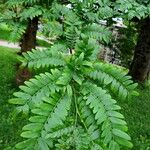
(4,32)
(8,127)
(43,43)
(137,114)
(137,111)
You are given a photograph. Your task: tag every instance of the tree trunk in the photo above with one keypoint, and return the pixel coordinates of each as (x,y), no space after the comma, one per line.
(140,67)
(28,42)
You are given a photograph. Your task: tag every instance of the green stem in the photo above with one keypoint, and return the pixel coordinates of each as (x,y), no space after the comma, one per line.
(76,106)
(77,111)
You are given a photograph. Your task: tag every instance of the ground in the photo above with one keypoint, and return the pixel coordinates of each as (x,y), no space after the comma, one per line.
(8,127)
(136,111)
(137,114)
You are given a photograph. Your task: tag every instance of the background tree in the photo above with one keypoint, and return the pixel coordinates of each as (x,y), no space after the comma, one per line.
(23,17)
(138,11)
(124,43)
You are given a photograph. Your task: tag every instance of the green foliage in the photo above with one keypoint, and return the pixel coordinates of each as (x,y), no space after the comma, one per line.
(105,74)
(52,29)
(17,14)
(13,36)
(17,32)
(74,104)
(31,12)
(71,30)
(136,110)
(133,8)
(98,32)
(36,57)
(68,108)
(67,24)
(10,129)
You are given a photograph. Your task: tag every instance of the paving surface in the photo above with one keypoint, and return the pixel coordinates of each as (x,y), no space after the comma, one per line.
(13,45)
(9,44)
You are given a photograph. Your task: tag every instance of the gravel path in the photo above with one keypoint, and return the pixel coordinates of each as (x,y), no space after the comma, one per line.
(13,45)
(9,44)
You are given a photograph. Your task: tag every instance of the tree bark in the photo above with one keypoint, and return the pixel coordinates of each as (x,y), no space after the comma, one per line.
(27,43)
(28,40)
(140,67)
